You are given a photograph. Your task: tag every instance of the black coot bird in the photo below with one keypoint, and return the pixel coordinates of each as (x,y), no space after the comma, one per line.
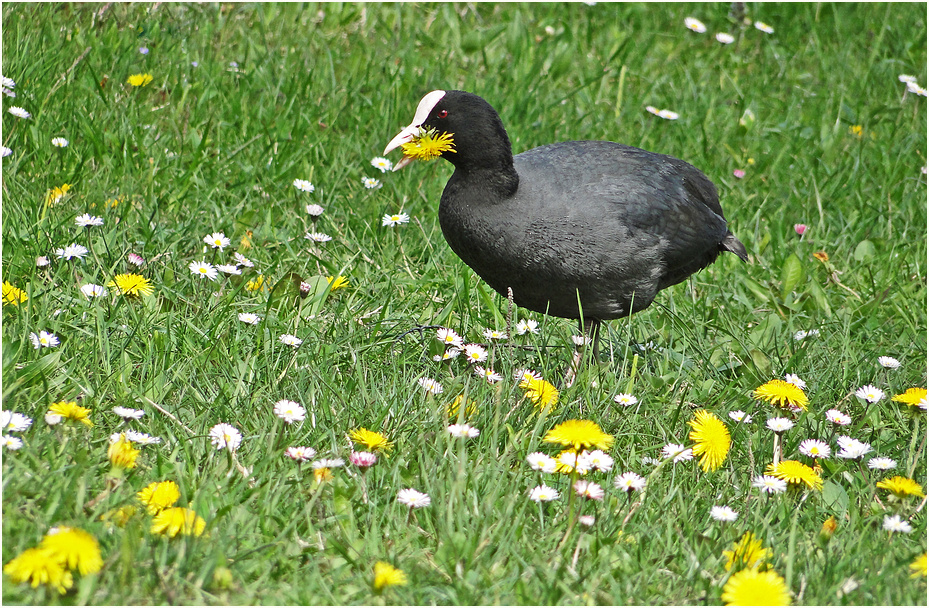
(578,229)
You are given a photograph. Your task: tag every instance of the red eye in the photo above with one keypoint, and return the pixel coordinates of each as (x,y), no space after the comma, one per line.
(442,113)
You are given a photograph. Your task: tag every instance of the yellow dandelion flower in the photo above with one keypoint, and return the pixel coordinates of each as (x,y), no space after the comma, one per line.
(385,575)
(371,439)
(131,285)
(178,520)
(913,396)
(795,473)
(55,195)
(750,587)
(74,548)
(452,408)
(139,80)
(258,284)
(337,282)
(159,495)
(901,487)
(781,393)
(246,241)
(70,410)
(40,566)
(539,392)
(13,295)
(747,551)
(856,130)
(712,440)
(428,144)
(918,567)
(122,454)
(579,434)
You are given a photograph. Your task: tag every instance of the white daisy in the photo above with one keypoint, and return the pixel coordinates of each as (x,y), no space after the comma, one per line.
(395,220)
(802,334)
(895,523)
(135,259)
(289,411)
(304,185)
(541,462)
(493,334)
(570,461)
(203,269)
(814,448)
(488,374)
(290,340)
(906,78)
(888,362)
(4,151)
(250,318)
(625,399)
(764,27)
(668,115)
(694,25)
(870,393)
(723,514)
(59,142)
(314,210)
(229,269)
(475,353)
(448,337)
(142,438)
(725,38)
(740,416)
(225,436)
(678,452)
(217,240)
(588,489)
(128,413)
(301,453)
(449,353)
(242,260)
(93,291)
(14,422)
(414,499)
(882,463)
(543,493)
(779,425)
(527,326)
(72,251)
(43,340)
(10,442)
(370,183)
(431,386)
(795,380)
(382,164)
(600,460)
(463,431)
(852,449)
(10,84)
(629,482)
(19,112)
(837,417)
(328,463)
(769,484)
(526,375)
(318,237)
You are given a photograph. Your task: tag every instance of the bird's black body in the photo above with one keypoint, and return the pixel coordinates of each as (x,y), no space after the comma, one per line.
(598,222)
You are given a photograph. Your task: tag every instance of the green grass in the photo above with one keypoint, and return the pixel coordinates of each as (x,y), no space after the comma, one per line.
(319,90)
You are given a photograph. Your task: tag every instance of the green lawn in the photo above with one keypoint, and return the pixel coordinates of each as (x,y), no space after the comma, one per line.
(245,99)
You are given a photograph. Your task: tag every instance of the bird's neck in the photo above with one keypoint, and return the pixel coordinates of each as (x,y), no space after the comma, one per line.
(499,178)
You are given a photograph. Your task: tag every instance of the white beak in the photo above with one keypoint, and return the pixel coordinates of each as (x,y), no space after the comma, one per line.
(422,112)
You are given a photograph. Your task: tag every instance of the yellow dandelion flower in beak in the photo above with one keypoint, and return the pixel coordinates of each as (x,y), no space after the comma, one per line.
(428,144)
(781,393)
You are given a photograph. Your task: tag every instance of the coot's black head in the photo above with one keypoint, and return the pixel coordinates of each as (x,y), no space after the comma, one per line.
(471,128)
